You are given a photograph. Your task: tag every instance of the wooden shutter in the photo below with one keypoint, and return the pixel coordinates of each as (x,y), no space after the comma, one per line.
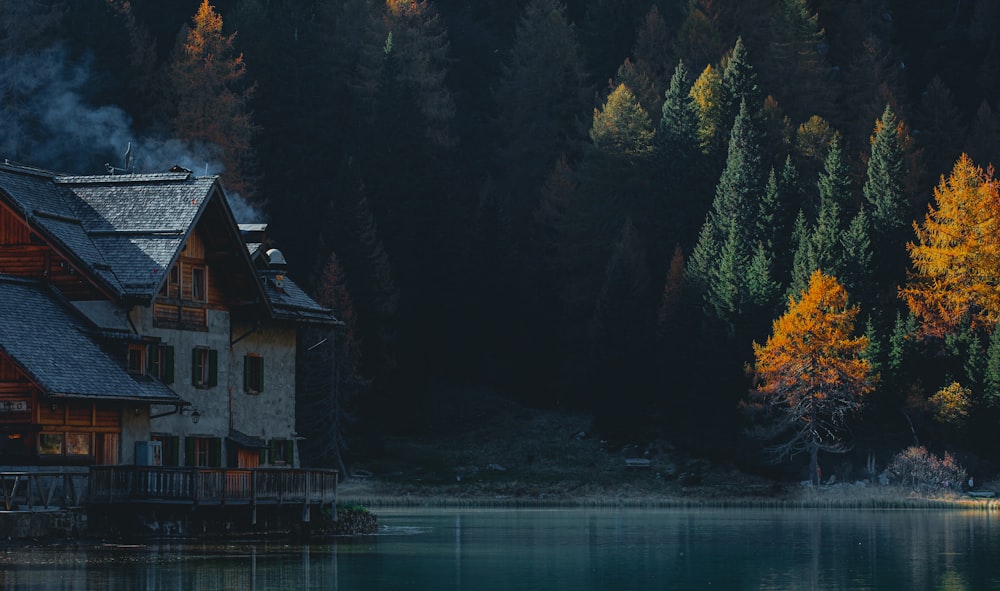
(215,452)
(213,368)
(154,360)
(190,451)
(168,361)
(290,452)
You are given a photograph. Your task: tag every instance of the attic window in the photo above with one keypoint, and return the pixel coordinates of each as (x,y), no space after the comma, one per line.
(198,287)
(137,359)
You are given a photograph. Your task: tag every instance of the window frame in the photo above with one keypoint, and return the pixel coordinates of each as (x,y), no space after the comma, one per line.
(204,367)
(136,359)
(161,362)
(199,283)
(253,373)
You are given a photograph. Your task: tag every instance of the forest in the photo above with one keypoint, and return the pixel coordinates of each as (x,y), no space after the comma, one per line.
(684,217)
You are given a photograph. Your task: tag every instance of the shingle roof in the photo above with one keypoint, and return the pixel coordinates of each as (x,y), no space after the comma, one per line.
(51,344)
(291,302)
(125,228)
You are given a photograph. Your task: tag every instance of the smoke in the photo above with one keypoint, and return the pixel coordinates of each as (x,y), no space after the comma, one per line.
(48,123)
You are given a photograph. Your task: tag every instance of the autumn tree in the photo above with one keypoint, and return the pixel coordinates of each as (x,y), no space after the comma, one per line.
(956,257)
(212,98)
(622,127)
(811,375)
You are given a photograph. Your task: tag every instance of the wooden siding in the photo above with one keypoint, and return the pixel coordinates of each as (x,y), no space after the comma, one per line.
(24,254)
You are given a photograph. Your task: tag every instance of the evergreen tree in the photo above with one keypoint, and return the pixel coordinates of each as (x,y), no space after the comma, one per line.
(739,84)
(652,52)
(699,41)
(887,204)
(796,69)
(856,271)
(620,331)
(722,255)
(983,141)
(992,371)
(940,125)
(540,100)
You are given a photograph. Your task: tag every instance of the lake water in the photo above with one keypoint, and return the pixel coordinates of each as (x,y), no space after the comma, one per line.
(577,550)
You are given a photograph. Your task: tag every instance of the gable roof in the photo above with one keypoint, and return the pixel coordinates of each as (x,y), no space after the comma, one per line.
(57,351)
(125,231)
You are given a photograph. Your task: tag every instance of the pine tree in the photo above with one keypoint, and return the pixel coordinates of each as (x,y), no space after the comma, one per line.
(539,101)
(991,379)
(699,41)
(707,94)
(856,270)
(620,329)
(796,67)
(739,84)
(940,125)
(652,52)
(886,204)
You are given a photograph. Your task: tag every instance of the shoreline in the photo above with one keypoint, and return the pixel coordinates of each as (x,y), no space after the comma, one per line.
(375,495)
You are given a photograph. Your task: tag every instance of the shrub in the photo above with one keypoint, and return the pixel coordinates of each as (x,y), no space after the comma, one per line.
(918,468)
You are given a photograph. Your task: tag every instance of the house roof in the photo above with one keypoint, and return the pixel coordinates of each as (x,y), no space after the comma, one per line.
(127,230)
(55,349)
(290,302)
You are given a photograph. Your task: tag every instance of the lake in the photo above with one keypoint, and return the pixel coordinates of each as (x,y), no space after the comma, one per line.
(571,549)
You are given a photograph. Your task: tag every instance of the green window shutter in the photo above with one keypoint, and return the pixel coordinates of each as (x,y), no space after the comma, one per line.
(246,373)
(215,453)
(168,361)
(196,367)
(154,360)
(260,374)
(189,451)
(290,452)
(213,368)
(174,444)
(272,450)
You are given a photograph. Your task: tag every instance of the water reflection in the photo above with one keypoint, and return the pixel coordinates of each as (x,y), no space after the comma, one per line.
(560,549)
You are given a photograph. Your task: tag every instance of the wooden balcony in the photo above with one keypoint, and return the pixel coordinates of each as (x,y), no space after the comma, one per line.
(211,486)
(42,490)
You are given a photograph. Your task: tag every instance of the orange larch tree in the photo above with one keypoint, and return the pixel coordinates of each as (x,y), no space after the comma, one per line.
(811,374)
(956,259)
(212,97)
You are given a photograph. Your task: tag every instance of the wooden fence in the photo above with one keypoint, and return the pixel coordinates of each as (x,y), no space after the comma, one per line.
(42,490)
(207,486)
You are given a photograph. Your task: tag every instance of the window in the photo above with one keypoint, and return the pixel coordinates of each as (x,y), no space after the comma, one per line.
(253,374)
(50,444)
(203,451)
(172,287)
(161,362)
(137,359)
(78,444)
(282,451)
(171,449)
(198,287)
(204,367)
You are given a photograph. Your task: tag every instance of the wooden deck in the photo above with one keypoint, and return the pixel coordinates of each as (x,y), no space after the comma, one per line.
(42,490)
(208,486)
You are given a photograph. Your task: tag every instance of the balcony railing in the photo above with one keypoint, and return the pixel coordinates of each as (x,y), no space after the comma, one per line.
(143,484)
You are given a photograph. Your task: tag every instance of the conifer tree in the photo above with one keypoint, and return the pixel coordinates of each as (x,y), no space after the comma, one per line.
(856,270)
(645,91)
(991,376)
(940,125)
(652,52)
(699,41)
(707,94)
(812,375)
(739,84)
(886,204)
(796,67)
(212,97)
(540,99)
(957,254)
(622,128)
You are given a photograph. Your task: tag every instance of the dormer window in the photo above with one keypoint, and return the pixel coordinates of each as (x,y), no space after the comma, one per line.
(137,359)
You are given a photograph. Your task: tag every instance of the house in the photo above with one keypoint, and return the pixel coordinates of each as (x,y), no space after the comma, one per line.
(132,311)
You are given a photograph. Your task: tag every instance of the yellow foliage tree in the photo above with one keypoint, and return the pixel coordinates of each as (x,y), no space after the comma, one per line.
(212,98)
(622,127)
(956,259)
(811,374)
(707,95)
